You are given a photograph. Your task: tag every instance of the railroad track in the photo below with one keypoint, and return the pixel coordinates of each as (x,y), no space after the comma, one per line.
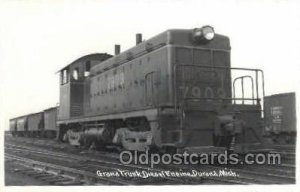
(291,147)
(57,174)
(287,151)
(104,165)
(267,175)
(246,176)
(251,175)
(283,173)
(287,156)
(57,146)
(83,167)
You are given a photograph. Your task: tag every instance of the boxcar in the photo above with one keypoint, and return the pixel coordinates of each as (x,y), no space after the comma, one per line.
(13,126)
(50,122)
(280,117)
(22,125)
(35,124)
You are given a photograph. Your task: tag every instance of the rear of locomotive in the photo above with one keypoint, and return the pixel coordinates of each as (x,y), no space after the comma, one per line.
(215,107)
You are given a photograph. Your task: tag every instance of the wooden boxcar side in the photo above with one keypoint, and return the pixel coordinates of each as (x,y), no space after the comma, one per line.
(35,123)
(50,118)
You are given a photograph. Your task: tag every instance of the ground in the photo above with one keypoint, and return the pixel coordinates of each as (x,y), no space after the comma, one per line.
(13,178)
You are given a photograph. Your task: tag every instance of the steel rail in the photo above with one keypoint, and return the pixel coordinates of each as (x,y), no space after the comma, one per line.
(112,165)
(33,163)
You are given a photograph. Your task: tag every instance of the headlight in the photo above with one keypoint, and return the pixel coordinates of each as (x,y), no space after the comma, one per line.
(204,34)
(208,32)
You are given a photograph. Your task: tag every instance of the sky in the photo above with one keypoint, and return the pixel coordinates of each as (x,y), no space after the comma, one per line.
(37,38)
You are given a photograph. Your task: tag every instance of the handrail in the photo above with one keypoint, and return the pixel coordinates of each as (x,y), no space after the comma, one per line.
(242,84)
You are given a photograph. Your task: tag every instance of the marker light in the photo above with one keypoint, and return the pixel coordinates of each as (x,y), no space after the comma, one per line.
(204,34)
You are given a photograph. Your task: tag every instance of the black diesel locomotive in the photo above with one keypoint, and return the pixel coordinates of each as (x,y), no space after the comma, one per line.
(174,92)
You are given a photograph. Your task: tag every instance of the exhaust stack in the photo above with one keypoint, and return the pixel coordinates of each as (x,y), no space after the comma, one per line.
(138,38)
(117,49)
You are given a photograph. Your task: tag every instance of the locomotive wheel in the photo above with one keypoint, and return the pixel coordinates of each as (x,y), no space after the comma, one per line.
(43,134)
(46,134)
(39,134)
(49,134)
(86,143)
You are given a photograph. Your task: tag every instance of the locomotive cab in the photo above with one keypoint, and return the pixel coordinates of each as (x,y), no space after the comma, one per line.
(74,90)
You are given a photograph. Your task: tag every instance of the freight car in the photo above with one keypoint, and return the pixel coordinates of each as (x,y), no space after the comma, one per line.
(22,126)
(13,126)
(43,124)
(50,116)
(40,124)
(174,92)
(35,124)
(280,117)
